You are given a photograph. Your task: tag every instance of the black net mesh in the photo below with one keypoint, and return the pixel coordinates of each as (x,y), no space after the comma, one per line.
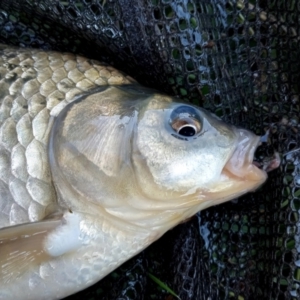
(239,59)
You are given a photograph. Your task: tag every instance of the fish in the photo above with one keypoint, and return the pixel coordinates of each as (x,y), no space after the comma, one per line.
(95,167)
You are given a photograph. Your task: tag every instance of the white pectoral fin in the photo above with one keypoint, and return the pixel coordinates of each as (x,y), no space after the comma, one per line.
(65,238)
(26,246)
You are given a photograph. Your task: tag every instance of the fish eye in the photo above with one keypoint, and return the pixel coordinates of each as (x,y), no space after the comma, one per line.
(185,121)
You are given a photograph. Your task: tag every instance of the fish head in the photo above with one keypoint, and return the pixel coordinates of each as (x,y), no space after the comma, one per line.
(144,157)
(186,150)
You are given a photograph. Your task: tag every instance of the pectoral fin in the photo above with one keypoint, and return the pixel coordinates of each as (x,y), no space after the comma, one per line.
(22,247)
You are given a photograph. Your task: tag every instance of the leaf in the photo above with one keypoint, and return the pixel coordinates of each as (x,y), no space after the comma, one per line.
(163,285)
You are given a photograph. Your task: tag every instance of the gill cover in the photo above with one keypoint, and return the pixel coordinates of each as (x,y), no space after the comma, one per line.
(90,143)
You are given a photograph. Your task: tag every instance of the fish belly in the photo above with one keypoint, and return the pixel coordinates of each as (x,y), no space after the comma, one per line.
(104,246)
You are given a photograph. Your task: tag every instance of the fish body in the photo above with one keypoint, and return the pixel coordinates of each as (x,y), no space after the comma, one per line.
(95,167)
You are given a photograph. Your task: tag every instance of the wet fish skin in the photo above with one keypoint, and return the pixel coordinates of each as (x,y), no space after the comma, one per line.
(35,85)
(95,162)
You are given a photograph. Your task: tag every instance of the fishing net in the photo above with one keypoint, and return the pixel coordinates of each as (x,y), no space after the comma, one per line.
(237,58)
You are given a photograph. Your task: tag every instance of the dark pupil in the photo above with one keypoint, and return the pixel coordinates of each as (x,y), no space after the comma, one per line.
(187,131)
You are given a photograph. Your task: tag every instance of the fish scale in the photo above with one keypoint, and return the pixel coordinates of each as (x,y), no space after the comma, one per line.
(34,85)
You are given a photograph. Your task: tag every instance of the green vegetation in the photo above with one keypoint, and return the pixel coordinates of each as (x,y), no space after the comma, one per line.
(163,285)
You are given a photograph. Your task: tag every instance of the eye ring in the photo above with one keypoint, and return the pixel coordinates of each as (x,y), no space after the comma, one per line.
(185,121)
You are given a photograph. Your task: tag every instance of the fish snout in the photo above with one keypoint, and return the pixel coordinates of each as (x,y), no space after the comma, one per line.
(240,164)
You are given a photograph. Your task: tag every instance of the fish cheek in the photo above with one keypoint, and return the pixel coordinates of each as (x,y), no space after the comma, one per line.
(178,164)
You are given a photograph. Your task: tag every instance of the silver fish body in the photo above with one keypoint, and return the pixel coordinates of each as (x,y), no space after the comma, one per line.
(94,168)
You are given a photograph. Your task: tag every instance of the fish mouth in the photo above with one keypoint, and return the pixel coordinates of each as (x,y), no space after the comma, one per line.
(240,174)
(241,165)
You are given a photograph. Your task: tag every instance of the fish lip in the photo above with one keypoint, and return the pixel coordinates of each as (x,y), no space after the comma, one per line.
(241,163)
